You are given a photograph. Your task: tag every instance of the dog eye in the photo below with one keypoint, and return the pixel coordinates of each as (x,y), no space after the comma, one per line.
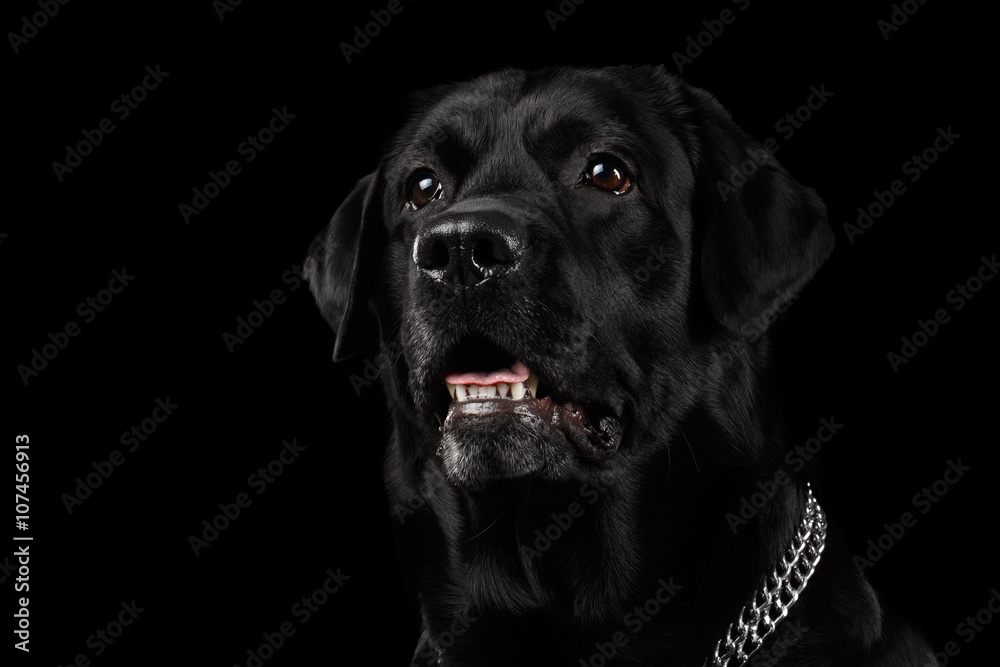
(606,173)
(424,187)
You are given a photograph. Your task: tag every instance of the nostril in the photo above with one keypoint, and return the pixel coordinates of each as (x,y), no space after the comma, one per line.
(438,256)
(432,253)
(483,255)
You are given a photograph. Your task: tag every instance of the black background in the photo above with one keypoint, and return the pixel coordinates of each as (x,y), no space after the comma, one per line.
(162,335)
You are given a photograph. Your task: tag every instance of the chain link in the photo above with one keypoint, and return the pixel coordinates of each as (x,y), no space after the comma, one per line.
(777,593)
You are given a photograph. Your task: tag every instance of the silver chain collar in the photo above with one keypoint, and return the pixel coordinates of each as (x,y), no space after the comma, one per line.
(777,593)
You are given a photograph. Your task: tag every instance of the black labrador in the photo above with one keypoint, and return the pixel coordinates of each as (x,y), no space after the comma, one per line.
(572,273)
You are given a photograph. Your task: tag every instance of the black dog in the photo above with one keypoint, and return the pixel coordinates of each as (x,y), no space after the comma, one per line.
(577,268)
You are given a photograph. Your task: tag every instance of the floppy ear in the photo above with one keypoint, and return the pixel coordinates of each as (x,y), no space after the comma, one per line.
(341,262)
(763,234)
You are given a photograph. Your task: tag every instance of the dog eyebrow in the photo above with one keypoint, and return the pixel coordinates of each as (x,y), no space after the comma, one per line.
(450,148)
(570,135)
(561,138)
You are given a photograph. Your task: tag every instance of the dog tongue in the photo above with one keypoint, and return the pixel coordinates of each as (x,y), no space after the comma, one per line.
(517,372)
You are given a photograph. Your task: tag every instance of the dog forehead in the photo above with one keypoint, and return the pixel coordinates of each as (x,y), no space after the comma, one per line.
(515,105)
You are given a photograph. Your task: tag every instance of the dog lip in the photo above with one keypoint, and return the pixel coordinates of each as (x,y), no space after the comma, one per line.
(541,408)
(597,439)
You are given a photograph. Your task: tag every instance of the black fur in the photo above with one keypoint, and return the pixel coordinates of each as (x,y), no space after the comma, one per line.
(672,355)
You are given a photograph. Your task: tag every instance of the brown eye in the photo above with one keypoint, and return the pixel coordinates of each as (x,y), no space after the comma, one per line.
(424,187)
(606,173)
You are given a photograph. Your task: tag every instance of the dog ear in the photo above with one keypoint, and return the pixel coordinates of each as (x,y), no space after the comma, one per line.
(764,235)
(340,266)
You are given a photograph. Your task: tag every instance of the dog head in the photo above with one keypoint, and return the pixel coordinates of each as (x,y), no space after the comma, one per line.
(568,260)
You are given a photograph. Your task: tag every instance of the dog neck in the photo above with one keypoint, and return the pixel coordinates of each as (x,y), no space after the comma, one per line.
(588,549)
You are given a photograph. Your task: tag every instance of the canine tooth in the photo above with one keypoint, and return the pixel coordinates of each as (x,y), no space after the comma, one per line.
(517,390)
(502,389)
(532,384)
(451,390)
(460,393)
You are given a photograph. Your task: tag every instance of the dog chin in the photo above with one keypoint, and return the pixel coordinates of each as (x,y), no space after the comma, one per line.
(477,449)
(495,438)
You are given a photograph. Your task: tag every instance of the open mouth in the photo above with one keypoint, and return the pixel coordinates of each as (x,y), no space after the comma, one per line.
(515,383)
(500,405)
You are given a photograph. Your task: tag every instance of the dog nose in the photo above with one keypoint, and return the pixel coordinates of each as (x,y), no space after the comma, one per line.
(467,250)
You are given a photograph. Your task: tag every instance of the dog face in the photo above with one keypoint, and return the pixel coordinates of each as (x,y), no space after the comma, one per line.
(570,260)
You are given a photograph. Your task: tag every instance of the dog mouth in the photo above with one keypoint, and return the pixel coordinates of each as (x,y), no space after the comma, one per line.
(502,413)
(516,383)
(514,391)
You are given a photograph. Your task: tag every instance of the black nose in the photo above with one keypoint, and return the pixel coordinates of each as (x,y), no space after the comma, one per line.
(467,249)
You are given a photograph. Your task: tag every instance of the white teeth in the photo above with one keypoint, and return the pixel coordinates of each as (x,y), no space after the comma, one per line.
(514,390)
(532,383)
